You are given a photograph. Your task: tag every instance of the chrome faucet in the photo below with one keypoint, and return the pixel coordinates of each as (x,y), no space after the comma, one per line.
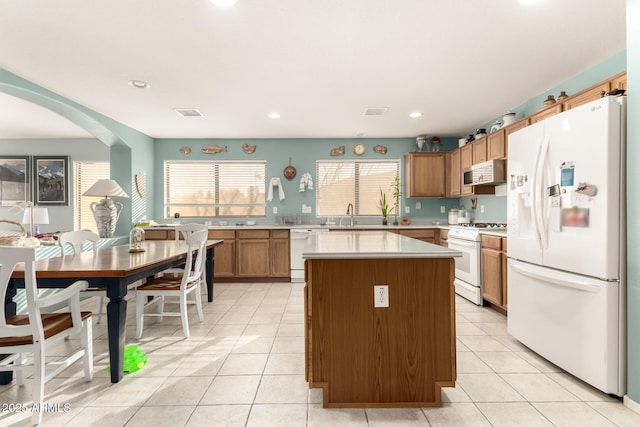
(350,212)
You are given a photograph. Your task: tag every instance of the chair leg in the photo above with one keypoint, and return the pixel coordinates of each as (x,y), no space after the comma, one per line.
(100,309)
(198,297)
(139,315)
(20,373)
(86,341)
(184,315)
(38,383)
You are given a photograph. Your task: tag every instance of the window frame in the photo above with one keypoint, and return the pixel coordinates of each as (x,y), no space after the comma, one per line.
(357,163)
(215,207)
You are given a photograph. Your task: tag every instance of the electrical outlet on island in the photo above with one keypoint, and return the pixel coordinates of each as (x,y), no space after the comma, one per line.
(381,296)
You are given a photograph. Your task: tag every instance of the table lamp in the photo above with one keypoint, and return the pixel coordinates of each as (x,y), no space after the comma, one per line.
(106,212)
(35,216)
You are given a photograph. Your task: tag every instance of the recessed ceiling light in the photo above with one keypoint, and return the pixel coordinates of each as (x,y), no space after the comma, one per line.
(224,3)
(415,114)
(273,115)
(139,84)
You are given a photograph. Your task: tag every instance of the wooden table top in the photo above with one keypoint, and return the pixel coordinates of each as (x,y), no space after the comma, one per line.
(114,261)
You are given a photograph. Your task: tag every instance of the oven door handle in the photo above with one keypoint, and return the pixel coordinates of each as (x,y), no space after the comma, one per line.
(462,243)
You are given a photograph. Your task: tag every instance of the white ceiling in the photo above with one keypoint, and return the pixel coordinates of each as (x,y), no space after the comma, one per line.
(319,63)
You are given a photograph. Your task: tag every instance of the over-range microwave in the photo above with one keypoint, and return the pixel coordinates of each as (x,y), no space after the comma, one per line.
(492,172)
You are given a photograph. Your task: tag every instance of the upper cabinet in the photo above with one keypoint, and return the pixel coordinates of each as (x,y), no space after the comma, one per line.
(425,174)
(619,81)
(545,113)
(496,145)
(479,150)
(440,175)
(588,95)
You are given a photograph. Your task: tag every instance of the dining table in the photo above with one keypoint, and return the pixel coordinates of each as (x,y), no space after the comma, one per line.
(114,269)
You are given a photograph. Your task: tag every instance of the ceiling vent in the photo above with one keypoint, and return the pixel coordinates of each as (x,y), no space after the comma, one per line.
(378,111)
(188,112)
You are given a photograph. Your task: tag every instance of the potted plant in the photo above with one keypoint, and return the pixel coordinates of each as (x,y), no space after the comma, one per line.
(395,187)
(385,209)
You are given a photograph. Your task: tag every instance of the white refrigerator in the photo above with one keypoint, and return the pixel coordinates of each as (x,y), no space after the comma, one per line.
(566,241)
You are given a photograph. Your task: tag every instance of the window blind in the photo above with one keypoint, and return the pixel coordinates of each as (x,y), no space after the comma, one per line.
(214,189)
(85,175)
(359,182)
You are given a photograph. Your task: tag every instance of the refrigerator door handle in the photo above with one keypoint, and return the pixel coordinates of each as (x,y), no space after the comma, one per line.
(535,194)
(540,191)
(576,282)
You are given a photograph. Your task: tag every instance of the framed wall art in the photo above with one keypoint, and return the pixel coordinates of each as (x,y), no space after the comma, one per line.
(51,180)
(15,180)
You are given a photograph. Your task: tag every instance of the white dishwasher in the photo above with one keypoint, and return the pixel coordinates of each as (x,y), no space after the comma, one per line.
(299,238)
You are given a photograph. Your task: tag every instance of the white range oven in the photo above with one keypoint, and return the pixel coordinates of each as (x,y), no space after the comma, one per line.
(468,271)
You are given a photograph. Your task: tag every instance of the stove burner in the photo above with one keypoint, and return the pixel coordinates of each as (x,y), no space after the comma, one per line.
(484,225)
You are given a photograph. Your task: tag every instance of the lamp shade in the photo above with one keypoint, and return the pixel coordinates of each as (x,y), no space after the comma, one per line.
(40,216)
(105,188)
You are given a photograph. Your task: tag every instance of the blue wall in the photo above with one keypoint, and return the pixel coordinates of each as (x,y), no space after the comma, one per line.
(303,153)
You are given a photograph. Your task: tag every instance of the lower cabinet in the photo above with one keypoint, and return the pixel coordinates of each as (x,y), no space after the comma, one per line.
(494,284)
(280,253)
(225,254)
(247,255)
(429,235)
(253,257)
(263,253)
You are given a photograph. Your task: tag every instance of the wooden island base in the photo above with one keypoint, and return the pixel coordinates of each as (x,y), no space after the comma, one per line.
(363,356)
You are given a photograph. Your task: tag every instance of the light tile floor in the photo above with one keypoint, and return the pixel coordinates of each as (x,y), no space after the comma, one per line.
(244,366)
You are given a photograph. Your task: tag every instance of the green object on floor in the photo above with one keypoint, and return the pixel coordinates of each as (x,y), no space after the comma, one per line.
(134,359)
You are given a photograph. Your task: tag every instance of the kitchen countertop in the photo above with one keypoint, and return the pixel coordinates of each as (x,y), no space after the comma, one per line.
(383,245)
(261,226)
(242,226)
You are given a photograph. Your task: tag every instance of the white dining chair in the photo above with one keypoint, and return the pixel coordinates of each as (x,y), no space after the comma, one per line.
(178,285)
(35,332)
(185,230)
(75,240)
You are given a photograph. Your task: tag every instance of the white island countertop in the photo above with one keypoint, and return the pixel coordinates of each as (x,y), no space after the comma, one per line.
(373,244)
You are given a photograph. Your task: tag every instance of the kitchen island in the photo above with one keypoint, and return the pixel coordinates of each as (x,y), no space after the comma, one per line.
(366,356)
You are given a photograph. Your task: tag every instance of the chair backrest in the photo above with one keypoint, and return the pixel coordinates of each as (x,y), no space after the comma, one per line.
(193,270)
(10,256)
(75,239)
(187,229)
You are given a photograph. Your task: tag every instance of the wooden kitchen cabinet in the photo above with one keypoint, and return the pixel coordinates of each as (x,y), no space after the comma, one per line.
(504,274)
(546,113)
(496,145)
(619,81)
(455,174)
(425,174)
(279,253)
(444,237)
(588,95)
(428,235)
(494,270)
(466,160)
(156,234)
(479,150)
(252,256)
(225,254)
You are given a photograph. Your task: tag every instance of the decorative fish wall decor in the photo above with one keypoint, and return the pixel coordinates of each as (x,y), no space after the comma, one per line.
(249,149)
(213,149)
(338,151)
(380,149)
